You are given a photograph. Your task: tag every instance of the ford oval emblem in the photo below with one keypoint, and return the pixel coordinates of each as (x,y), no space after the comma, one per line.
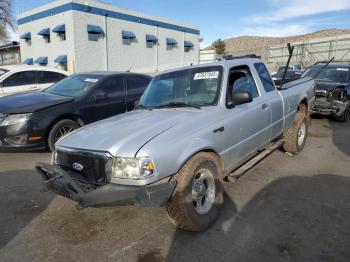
(78,167)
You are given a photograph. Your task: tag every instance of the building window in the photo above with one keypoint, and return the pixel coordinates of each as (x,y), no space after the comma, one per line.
(61,31)
(62,36)
(47,38)
(128,37)
(151,40)
(45,33)
(188,46)
(150,44)
(171,43)
(93,37)
(94,32)
(27,37)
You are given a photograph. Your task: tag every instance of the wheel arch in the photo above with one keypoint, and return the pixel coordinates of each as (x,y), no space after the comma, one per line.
(187,157)
(75,118)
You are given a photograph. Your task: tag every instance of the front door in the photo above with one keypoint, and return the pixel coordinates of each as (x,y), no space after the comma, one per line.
(19,82)
(108,99)
(247,124)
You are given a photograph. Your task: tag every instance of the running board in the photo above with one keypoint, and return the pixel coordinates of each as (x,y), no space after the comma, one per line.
(234,175)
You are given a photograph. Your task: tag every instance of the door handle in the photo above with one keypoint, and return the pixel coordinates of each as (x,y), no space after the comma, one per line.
(264,106)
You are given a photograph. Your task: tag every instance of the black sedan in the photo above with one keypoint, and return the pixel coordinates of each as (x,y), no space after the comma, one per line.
(38,119)
(332,90)
(291,75)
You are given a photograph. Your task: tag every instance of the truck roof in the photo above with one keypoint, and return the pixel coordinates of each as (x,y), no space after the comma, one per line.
(224,63)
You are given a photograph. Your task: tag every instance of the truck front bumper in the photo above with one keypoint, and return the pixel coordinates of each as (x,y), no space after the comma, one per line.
(59,181)
(326,107)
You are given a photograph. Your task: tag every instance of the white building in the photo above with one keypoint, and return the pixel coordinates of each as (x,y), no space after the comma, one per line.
(86,36)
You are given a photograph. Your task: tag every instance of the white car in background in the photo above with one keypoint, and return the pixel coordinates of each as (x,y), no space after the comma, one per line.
(24,78)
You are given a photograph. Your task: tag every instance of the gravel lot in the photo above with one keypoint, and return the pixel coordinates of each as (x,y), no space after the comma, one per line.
(288,208)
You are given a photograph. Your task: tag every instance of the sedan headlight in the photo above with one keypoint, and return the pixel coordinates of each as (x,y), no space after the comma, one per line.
(15,119)
(132,168)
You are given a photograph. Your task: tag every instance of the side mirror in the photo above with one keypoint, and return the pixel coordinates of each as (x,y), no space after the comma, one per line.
(239,98)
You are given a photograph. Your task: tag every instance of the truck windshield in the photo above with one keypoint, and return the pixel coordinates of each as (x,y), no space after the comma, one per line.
(74,86)
(334,74)
(194,87)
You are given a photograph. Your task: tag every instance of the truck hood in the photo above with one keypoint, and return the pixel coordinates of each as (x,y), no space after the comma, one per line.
(125,134)
(328,85)
(30,102)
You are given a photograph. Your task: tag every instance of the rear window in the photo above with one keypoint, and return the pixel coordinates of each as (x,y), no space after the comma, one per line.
(46,77)
(265,77)
(3,71)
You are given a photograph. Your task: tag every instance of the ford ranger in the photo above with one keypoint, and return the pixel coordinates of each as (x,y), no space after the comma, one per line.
(191,128)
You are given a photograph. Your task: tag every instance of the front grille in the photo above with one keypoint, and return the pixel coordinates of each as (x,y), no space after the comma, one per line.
(94,166)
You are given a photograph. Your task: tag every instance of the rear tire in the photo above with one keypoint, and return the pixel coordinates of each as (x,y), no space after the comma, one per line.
(198,196)
(295,137)
(60,129)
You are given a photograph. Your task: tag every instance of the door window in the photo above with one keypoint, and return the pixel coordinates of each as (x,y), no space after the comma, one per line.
(20,79)
(265,77)
(137,84)
(112,88)
(45,77)
(241,80)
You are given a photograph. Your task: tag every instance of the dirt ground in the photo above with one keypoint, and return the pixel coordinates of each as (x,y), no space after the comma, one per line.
(288,208)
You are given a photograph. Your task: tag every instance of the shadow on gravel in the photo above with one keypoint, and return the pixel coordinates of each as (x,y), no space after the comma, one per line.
(340,132)
(20,202)
(292,219)
(341,136)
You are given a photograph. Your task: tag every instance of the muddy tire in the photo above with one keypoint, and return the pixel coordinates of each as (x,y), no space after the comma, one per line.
(198,196)
(343,117)
(61,128)
(295,137)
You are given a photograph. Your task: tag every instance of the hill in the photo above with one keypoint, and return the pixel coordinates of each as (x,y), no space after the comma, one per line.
(256,44)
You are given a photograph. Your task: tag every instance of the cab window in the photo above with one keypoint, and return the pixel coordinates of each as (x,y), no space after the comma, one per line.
(241,80)
(20,79)
(265,77)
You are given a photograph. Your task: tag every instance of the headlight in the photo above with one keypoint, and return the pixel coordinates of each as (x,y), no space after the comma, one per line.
(133,168)
(16,119)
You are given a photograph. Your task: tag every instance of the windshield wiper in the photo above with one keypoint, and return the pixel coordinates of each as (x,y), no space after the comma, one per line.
(178,104)
(141,106)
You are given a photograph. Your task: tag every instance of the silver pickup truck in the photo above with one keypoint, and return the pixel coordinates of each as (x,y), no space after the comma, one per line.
(192,127)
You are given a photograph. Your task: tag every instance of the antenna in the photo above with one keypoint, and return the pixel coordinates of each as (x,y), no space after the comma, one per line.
(290,51)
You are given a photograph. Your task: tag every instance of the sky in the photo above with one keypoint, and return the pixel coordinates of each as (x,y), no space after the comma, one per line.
(230,18)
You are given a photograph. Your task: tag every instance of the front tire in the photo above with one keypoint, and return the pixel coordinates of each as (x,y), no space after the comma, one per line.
(60,129)
(198,196)
(343,117)
(295,137)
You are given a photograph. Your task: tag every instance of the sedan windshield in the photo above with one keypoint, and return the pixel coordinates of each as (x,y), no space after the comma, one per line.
(194,87)
(74,86)
(334,74)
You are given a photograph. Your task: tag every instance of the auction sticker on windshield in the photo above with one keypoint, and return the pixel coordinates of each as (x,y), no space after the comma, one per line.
(93,80)
(342,69)
(206,75)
